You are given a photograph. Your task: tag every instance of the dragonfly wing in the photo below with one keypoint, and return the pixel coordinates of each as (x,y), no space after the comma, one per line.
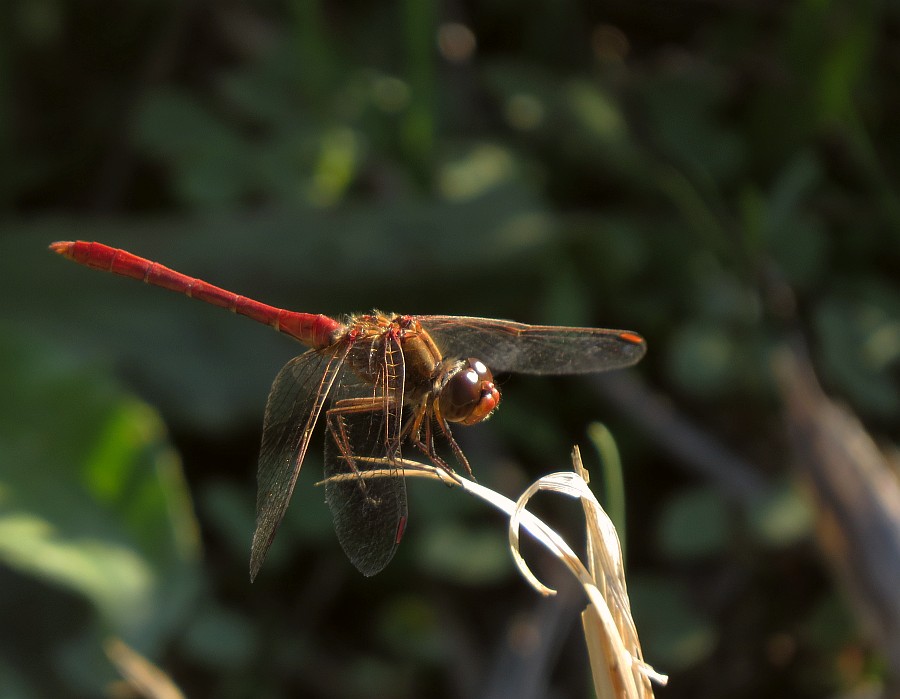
(295,403)
(504,345)
(364,432)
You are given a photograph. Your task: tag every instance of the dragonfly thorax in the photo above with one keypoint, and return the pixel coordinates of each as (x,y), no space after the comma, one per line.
(394,352)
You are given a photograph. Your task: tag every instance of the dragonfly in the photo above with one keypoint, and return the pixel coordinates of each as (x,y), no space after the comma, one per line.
(379,381)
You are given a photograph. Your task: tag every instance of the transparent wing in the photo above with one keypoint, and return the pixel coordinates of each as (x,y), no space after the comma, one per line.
(504,345)
(364,428)
(295,403)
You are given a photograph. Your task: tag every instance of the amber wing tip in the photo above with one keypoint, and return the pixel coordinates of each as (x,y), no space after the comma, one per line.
(631,337)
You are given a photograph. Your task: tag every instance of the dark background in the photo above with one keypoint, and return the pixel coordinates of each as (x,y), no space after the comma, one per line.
(718,176)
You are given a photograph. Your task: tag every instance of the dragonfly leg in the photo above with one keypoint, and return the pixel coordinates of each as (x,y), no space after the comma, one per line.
(457,450)
(428,448)
(426,445)
(410,431)
(337,429)
(413,432)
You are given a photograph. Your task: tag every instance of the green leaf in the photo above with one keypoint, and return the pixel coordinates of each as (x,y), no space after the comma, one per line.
(694,523)
(220,637)
(673,634)
(464,554)
(411,627)
(702,359)
(208,158)
(859,336)
(782,518)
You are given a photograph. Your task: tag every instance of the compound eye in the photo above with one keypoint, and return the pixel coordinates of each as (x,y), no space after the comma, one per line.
(470,395)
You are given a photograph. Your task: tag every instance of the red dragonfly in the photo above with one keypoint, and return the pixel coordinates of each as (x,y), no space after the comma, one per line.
(382,381)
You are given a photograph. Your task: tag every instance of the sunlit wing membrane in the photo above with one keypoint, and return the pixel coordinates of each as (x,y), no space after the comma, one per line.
(293,408)
(534,349)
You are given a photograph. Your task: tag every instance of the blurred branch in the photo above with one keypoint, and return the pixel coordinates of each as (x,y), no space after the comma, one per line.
(533,640)
(695,448)
(857,499)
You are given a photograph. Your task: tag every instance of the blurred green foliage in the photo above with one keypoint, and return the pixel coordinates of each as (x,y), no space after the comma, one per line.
(96,506)
(716,176)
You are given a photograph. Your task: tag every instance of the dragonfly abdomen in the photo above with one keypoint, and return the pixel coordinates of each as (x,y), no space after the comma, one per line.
(312,329)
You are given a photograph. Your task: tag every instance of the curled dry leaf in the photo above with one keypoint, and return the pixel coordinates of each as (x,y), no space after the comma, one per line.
(617,662)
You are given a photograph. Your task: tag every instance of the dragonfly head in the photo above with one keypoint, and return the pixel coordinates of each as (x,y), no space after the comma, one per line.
(466,392)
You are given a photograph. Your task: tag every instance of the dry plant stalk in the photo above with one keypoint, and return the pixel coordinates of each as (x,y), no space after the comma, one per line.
(617,663)
(142,677)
